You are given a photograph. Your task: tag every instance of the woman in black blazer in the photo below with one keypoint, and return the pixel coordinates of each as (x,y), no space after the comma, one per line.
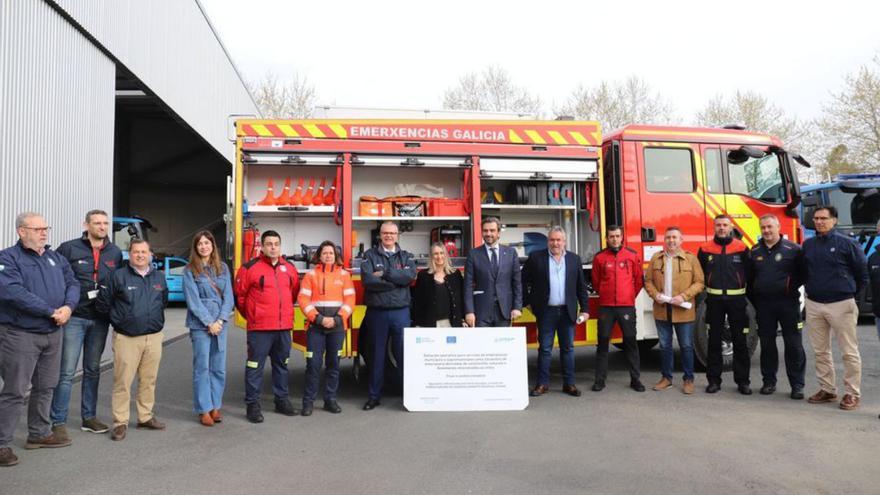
(437,296)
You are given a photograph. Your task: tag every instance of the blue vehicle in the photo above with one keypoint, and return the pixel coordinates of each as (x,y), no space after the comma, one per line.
(857,198)
(127,228)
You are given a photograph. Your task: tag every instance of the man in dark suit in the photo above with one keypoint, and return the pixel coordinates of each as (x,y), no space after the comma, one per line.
(556,290)
(492,283)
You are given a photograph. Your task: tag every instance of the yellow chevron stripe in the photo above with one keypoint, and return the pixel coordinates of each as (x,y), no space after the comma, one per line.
(750,227)
(288,130)
(597,136)
(314,131)
(579,138)
(514,137)
(339,130)
(535,137)
(557,137)
(262,130)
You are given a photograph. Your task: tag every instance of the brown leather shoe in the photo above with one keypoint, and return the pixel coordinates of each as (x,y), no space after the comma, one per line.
(206,419)
(539,390)
(849,402)
(821,397)
(571,390)
(216,415)
(50,441)
(687,387)
(152,424)
(663,384)
(118,432)
(60,432)
(7,457)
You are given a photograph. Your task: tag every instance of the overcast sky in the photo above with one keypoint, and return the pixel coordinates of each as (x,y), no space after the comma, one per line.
(404,54)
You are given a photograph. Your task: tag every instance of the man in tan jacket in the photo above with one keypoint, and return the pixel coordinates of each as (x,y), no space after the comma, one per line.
(673,279)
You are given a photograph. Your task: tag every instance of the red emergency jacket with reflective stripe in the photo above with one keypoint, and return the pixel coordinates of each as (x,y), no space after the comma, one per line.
(265,294)
(327,290)
(617,277)
(725,263)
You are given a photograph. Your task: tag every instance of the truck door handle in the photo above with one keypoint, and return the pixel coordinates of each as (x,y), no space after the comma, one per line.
(649,234)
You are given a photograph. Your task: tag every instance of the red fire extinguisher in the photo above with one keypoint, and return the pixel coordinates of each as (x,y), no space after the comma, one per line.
(250,245)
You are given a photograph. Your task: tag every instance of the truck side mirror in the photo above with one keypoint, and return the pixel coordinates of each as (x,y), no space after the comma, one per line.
(807,219)
(743,153)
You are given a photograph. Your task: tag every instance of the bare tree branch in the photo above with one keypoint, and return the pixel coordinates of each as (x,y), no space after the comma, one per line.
(618,103)
(294,98)
(492,90)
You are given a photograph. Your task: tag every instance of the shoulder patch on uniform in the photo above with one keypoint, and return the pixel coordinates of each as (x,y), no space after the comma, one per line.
(251,263)
(2,267)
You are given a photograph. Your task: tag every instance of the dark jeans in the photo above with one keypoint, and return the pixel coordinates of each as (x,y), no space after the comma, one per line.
(28,361)
(276,345)
(625,316)
(735,310)
(86,337)
(685,333)
(555,322)
(326,346)
(787,314)
(385,324)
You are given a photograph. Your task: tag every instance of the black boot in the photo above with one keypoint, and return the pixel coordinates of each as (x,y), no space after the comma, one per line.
(253,413)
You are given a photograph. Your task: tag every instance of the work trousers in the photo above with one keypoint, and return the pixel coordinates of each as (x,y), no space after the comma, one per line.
(135,356)
(385,325)
(625,316)
(274,344)
(771,314)
(324,346)
(734,309)
(28,362)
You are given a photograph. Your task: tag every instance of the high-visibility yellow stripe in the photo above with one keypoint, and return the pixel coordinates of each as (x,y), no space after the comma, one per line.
(286,361)
(557,137)
(288,130)
(579,138)
(597,136)
(535,137)
(730,292)
(514,137)
(339,352)
(252,364)
(758,138)
(314,131)
(262,130)
(309,354)
(339,130)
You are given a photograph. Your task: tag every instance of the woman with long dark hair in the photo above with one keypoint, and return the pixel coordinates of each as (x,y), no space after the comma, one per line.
(207,287)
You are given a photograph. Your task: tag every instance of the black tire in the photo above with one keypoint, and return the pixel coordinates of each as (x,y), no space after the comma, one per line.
(701,337)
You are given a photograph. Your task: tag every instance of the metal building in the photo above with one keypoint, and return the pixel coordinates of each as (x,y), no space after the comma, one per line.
(121,105)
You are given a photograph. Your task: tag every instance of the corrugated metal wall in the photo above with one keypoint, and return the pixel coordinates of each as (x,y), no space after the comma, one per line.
(56,121)
(170,46)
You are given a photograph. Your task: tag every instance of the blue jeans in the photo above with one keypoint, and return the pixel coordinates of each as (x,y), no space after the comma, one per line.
(209,369)
(322,346)
(555,321)
(88,337)
(685,333)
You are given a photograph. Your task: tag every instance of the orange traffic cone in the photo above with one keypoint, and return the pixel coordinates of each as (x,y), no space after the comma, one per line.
(331,194)
(319,194)
(284,199)
(310,193)
(297,198)
(269,199)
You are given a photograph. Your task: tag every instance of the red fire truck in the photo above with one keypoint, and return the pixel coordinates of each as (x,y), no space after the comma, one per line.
(314,180)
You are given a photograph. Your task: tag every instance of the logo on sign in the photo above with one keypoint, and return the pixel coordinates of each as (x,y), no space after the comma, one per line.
(501,340)
(450,339)
(424,340)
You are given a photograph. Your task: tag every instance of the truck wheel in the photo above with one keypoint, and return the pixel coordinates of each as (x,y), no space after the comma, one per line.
(701,338)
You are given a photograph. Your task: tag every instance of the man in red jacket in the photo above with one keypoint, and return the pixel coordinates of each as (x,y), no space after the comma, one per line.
(617,277)
(266,289)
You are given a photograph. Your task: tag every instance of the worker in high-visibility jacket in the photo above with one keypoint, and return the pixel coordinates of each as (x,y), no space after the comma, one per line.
(327,299)
(725,263)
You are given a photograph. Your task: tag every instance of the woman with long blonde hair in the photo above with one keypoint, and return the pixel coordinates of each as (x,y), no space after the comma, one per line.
(207,287)
(438,295)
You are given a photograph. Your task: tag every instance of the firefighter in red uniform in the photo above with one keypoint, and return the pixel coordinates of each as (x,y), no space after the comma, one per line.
(266,289)
(725,261)
(617,277)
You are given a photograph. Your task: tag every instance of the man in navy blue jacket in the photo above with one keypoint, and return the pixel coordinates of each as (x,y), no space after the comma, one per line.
(38,293)
(836,271)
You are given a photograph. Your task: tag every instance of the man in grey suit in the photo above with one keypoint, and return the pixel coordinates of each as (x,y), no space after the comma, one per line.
(492,287)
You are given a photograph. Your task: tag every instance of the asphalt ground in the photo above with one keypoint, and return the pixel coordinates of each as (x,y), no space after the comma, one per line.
(615,441)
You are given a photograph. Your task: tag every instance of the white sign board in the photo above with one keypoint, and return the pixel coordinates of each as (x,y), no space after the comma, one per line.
(465,369)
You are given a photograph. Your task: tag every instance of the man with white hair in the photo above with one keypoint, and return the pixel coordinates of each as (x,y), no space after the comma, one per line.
(38,293)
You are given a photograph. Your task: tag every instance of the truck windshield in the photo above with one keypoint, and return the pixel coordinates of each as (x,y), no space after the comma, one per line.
(856,209)
(759,178)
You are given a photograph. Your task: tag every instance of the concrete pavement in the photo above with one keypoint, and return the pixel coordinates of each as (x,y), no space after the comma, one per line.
(616,441)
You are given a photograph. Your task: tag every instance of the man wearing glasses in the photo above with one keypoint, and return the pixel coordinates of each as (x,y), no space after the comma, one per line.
(386,274)
(836,270)
(38,292)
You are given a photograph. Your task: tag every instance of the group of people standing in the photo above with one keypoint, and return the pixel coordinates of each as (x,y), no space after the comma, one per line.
(56,306)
